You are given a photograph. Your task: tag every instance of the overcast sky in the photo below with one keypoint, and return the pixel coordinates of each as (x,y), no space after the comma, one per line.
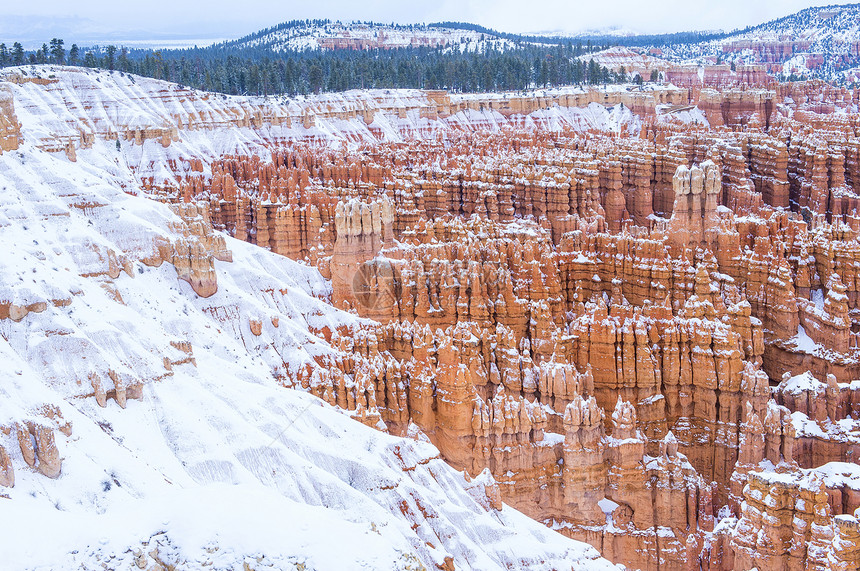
(233,18)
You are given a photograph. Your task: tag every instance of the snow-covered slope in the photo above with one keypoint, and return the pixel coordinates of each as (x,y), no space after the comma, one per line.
(212,460)
(825,28)
(78,105)
(818,41)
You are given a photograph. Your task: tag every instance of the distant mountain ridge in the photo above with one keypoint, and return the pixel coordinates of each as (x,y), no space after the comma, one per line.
(332,34)
(299,35)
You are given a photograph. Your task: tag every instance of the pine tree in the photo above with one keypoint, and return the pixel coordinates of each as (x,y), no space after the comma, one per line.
(58,54)
(42,54)
(17,54)
(593,72)
(123,60)
(110,57)
(5,57)
(315,78)
(74,54)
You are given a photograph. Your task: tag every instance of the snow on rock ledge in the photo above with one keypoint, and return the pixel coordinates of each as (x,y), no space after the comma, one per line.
(156,123)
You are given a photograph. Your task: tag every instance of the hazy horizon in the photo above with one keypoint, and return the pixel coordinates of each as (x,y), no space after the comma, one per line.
(89,20)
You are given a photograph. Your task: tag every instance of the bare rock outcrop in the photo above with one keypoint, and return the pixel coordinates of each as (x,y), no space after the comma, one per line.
(10,129)
(39,448)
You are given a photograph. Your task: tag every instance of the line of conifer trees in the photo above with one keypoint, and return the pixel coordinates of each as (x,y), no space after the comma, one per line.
(263,71)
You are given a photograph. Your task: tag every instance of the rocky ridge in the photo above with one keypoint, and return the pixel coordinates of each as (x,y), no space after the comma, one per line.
(328,35)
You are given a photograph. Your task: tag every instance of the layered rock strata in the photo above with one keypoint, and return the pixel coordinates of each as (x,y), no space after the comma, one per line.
(648,335)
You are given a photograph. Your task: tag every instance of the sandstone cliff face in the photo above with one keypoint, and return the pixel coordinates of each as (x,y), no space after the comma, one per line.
(737,107)
(719,76)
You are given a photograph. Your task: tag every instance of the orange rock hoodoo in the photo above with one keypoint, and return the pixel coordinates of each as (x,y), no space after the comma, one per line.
(594,319)
(649,337)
